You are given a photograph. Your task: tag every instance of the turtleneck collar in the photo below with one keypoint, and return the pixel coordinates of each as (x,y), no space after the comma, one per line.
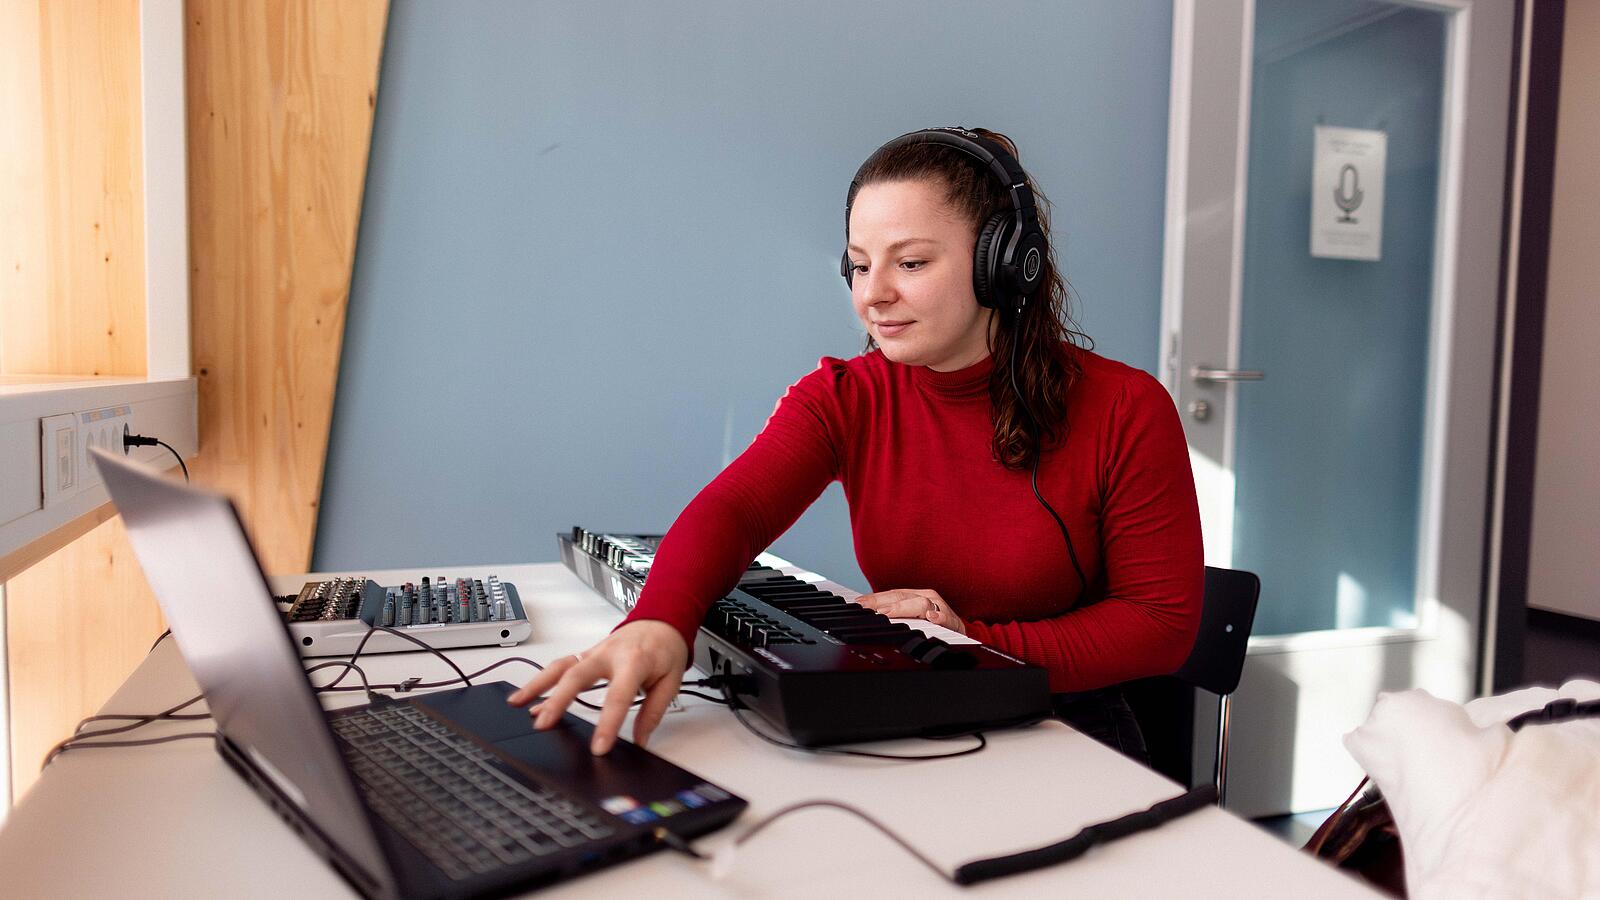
(962,384)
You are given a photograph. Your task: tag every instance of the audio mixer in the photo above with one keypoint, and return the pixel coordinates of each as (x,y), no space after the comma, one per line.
(330,618)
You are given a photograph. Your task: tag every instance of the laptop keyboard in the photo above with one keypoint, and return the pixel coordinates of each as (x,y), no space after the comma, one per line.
(447,797)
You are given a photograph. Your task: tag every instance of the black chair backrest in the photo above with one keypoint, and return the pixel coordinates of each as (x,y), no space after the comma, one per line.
(1228,611)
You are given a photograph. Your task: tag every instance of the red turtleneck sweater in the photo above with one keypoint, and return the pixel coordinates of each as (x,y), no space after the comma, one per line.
(931,508)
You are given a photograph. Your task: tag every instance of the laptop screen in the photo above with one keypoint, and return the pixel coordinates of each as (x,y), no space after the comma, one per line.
(210,586)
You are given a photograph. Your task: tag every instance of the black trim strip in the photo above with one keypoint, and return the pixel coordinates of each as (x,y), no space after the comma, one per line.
(1527,352)
(1562,623)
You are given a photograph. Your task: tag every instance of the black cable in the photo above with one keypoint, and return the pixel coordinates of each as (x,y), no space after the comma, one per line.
(717,700)
(983,742)
(681,691)
(411,684)
(461,677)
(1090,836)
(1557,710)
(79,738)
(888,832)
(139,440)
(136,722)
(362,645)
(175,456)
(447,660)
(94,745)
(171,713)
(1038,451)
(348,666)
(1011,864)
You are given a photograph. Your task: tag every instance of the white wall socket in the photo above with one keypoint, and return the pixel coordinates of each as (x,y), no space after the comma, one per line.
(100,428)
(61,456)
(65,442)
(47,478)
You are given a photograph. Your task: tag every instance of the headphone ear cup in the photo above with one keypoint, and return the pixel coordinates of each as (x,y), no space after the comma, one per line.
(847,270)
(1027,271)
(986,258)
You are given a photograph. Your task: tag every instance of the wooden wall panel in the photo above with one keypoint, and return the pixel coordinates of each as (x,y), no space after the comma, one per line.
(72,230)
(76,626)
(71,303)
(281,95)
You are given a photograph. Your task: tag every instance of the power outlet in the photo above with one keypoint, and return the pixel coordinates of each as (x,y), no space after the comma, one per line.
(100,428)
(61,456)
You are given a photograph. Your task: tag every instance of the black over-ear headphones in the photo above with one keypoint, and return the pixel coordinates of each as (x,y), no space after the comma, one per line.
(1008,259)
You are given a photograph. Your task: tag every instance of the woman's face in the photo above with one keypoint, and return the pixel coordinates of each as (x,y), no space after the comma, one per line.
(912,285)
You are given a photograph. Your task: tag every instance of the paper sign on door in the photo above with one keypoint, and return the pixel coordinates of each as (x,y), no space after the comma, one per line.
(1347,193)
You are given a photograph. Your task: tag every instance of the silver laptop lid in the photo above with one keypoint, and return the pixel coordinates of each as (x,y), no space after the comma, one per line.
(206,576)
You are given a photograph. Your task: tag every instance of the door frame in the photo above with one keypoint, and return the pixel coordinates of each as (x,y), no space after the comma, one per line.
(1209,119)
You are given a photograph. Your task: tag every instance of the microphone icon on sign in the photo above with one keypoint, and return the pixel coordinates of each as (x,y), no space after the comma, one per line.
(1348,193)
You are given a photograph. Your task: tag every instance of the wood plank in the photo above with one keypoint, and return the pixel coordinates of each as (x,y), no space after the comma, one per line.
(280,102)
(23,254)
(71,303)
(76,626)
(31,554)
(74,298)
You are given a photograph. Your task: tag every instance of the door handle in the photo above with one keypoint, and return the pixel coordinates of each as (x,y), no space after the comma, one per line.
(1206,373)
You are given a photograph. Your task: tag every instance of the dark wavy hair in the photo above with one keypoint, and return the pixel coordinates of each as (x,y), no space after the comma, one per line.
(1044,337)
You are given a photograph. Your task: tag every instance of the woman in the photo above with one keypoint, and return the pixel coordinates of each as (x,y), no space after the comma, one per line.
(1003,481)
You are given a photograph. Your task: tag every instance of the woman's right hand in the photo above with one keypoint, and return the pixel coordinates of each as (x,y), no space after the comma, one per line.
(645,655)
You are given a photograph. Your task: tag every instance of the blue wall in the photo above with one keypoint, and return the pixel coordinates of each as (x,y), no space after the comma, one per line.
(599,239)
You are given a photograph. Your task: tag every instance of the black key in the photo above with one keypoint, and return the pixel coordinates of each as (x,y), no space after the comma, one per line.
(892,633)
(810,603)
(845,629)
(844,617)
(793,594)
(770,588)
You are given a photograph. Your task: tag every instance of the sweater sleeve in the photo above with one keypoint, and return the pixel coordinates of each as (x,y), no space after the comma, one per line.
(1154,566)
(750,504)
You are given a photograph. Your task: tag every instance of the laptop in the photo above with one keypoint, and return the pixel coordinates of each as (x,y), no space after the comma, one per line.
(447,794)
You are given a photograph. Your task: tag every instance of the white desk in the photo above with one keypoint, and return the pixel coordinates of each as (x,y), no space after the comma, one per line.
(172,820)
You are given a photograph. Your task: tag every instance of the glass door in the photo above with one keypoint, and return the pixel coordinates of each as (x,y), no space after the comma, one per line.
(1338,306)
(1327,316)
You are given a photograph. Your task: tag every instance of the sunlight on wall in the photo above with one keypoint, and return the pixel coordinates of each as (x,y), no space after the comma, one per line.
(1444,665)
(1213,486)
(1350,600)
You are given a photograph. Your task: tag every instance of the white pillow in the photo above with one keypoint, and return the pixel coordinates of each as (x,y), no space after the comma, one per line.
(1483,811)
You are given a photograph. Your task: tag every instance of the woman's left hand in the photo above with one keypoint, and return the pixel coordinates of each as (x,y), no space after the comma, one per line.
(914,604)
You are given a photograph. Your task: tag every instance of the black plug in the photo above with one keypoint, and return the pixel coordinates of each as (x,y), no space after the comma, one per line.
(677,843)
(731,684)
(129,439)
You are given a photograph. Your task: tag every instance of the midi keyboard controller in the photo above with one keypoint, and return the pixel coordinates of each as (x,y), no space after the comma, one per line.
(819,668)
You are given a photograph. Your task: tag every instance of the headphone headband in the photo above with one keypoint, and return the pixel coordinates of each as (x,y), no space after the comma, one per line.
(990,153)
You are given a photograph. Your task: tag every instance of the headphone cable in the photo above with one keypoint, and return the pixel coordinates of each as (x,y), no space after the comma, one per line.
(1038,451)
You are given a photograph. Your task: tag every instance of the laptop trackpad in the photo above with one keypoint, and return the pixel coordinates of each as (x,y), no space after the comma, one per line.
(562,753)
(482,710)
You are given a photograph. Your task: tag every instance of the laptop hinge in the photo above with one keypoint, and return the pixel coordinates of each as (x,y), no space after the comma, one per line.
(244,762)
